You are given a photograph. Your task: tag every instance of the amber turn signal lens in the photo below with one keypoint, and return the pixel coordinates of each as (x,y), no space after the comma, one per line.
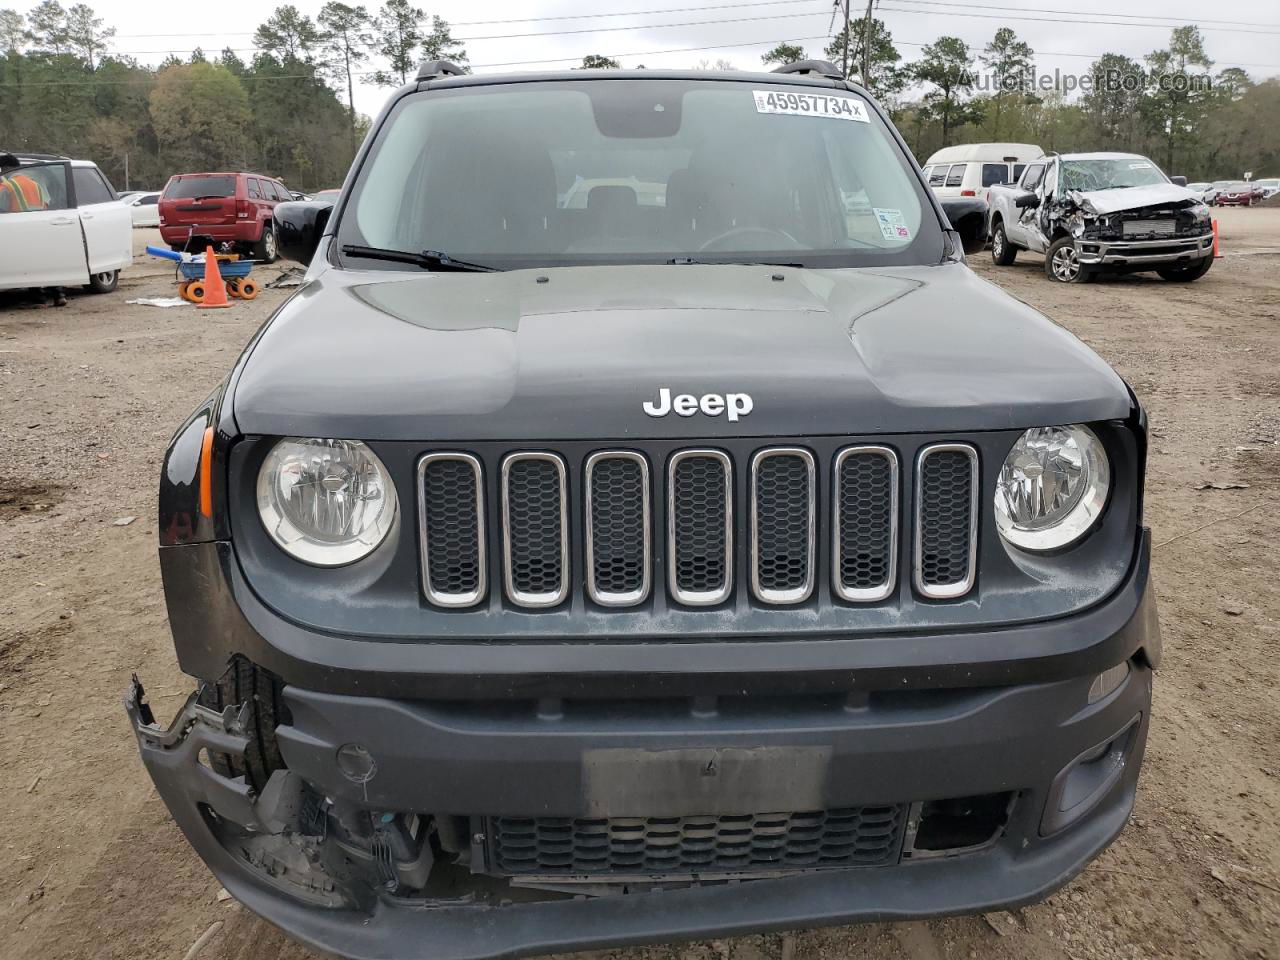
(206,473)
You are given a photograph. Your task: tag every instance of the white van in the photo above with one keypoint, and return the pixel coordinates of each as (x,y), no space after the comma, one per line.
(970,169)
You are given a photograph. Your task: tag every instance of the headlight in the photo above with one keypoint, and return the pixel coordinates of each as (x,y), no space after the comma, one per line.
(1052,487)
(1201,212)
(326,502)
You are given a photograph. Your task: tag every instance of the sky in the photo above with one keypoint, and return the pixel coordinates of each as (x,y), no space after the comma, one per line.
(505,35)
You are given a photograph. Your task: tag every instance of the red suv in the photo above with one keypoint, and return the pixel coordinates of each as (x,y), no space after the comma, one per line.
(197,209)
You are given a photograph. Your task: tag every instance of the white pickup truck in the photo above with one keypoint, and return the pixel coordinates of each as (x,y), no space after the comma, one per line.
(75,232)
(1090,213)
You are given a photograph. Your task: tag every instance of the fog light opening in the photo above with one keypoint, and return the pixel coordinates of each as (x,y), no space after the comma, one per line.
(356,763)
(944,828)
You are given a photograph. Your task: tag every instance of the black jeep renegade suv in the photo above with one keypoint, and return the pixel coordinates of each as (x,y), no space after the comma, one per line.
(642,525)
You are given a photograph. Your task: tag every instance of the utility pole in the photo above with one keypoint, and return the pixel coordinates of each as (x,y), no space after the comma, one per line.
(844,56)
(866,47)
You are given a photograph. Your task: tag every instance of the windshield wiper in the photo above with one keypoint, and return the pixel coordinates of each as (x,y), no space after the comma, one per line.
(427,259)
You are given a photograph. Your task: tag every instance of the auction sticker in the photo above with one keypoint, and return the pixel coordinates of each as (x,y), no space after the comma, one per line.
(893,226)
(810,105)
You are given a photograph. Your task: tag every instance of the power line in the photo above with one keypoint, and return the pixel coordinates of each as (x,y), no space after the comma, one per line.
(488,23)
(1005,17)
(1089,13)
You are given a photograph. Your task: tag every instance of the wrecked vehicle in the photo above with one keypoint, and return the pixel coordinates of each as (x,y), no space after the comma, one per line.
(558,576)
(1092,213)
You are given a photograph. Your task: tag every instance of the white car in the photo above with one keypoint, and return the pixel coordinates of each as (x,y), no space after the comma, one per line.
(1207,191)
(78,235)
(145,208)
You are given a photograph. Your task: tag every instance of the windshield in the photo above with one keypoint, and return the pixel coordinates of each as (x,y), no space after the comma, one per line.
(641,171)
(186,188)
(1110,174)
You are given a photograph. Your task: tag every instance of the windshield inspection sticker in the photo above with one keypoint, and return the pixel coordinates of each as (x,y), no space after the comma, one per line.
(810,105)
(893,226)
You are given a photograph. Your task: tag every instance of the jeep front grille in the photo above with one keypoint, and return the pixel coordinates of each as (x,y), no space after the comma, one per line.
(676,847)
(618,527)
(700,526)
(821,521)
(535,529)
(451,517)
(783,525)
(946,519)
(865,524)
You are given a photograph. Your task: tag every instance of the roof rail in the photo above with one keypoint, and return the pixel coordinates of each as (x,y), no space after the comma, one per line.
(434,69)
(823,68)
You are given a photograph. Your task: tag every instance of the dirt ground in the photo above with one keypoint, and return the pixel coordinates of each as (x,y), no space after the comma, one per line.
(91,866)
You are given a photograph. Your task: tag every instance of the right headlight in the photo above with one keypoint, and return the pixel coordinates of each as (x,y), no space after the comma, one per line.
(1052,487)
(326,502)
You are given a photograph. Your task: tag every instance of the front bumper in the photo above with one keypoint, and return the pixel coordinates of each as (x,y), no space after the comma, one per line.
(1144,252)
(1069,768)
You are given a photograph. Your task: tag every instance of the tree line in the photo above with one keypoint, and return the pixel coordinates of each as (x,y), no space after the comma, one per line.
(1173,106)
(287,110)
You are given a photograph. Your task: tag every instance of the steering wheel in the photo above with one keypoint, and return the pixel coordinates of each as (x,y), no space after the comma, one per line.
(790,242)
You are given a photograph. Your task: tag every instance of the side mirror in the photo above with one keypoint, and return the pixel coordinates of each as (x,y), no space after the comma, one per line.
(299,226)
(1028,200)
(968,218)
(1179,181)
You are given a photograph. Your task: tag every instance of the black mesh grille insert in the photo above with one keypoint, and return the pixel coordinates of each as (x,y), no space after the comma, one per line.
(782,499)
(452,527)
(699,509)
(617,526)
(864,494)
(620,846)
(534,529)
(946,499)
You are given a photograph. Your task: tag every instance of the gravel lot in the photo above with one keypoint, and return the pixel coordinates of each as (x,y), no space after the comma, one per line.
(90,865)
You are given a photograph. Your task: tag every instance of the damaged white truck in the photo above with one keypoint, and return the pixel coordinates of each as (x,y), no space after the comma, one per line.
(1092,213)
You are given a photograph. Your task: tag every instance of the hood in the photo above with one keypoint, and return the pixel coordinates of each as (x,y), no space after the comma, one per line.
(575,353)
(1129,198)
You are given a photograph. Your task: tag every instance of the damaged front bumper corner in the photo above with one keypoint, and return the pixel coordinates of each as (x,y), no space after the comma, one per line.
(230,825)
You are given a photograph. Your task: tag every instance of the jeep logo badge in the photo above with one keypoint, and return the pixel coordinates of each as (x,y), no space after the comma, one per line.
(734,405)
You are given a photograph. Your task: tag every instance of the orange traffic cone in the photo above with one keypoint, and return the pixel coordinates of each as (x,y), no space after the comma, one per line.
(1216,254)
(215,291)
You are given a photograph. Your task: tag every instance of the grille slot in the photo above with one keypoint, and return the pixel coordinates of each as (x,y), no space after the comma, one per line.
(695,846)
(535,525)
(618,548)
(700,526)
(783,519)
(865,524)
(451,524)
(946,520)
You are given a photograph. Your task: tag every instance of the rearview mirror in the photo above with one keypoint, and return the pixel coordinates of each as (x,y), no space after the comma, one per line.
(968,217)
(1024,201)
(299,226)
(1179,181)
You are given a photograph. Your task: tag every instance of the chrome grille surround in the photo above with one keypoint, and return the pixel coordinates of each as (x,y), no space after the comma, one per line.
(958,587)
(698,598)
(467,598)
(524,598)
(773,595)
(838,585)
(607,598)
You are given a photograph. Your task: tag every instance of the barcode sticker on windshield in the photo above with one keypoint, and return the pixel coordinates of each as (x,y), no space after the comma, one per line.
(1139,166)
(810,105)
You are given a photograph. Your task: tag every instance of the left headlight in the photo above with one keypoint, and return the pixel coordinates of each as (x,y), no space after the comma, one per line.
(326,502)
(1052,487)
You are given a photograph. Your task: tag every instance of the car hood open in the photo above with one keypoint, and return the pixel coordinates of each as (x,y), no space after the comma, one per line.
(574,353)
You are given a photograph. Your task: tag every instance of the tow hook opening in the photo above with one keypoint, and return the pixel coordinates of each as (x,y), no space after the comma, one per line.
(956,825)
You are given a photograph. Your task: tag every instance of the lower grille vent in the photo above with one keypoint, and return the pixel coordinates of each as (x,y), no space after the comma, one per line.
(682,846)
